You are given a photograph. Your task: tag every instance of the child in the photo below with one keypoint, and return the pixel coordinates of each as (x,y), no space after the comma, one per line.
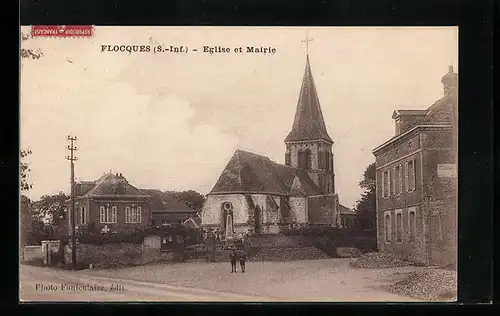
(243,258)
(232,256)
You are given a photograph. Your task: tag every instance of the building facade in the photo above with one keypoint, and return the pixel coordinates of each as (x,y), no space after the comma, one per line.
(416,181)
(256,195)
(111,204)
(348,218)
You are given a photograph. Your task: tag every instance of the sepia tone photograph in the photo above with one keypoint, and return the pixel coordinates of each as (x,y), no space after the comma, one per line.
(238,164)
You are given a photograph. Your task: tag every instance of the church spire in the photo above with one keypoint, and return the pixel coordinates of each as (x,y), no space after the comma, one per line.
(308,123)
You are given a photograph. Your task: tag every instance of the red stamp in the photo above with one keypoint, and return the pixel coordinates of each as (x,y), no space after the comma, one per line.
(62,30)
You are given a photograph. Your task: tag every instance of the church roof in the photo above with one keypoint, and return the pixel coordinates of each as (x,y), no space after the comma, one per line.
(247,172)
(308,123)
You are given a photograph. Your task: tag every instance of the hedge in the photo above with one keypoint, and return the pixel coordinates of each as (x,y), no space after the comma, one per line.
(87,236)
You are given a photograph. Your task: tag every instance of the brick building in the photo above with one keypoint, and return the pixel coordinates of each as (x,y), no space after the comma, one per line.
(416,180)
(111,203)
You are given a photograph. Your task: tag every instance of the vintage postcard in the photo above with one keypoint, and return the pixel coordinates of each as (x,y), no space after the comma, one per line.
(244,164)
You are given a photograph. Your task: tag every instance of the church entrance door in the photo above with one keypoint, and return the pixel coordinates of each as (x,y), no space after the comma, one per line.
(257,220)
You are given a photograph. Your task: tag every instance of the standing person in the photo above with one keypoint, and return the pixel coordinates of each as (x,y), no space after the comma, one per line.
(243,258)
(233,257)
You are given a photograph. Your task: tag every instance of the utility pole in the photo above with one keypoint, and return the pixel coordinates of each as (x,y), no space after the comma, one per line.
(72,213)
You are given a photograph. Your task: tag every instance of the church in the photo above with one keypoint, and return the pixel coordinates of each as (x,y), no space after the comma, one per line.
(255,195)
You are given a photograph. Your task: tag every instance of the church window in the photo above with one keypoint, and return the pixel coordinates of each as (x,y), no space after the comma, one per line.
(305,159)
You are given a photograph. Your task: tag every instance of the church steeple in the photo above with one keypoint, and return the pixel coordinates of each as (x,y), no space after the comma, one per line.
(308,145)
(308,123)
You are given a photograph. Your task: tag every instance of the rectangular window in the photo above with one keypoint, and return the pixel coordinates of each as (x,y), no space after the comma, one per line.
(387,226)
(128,214)
(397,172)
(81,217)
(133,215)
(114,213)
(411,175)
(139,209)
(102,214)
(106,216)
(399,226)
(387,183)
(412,224)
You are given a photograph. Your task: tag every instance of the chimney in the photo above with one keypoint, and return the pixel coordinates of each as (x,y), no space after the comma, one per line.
(450,69)
(121,176)
(117,174)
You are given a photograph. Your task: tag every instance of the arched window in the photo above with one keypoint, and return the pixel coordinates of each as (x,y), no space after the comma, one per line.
(305,159)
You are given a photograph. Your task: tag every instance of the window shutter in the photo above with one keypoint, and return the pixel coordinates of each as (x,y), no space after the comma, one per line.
(414,179)
(139,209)
(389,182)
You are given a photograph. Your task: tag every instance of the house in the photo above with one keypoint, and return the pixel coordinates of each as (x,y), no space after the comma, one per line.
(416,181)
(111,203)
(167,210)
(255,195)
(348,218)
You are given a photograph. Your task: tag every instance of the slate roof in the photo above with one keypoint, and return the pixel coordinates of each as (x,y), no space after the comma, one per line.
(308,123)
(247,173)
(108,184)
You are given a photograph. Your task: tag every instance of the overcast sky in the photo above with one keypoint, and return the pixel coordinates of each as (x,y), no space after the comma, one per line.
(172,121)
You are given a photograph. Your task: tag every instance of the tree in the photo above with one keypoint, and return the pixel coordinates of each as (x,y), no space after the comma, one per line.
(191,198)
(26,209)
(24,170)
(25,204)
(51,208)
(366,206)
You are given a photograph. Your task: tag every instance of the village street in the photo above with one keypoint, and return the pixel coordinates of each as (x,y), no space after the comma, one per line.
(315,280)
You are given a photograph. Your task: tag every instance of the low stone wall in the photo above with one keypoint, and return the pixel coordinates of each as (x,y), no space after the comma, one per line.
(122,254)
(32,253)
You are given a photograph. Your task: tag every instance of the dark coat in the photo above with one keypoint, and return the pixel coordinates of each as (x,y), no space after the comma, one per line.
(233,255)
(242,255)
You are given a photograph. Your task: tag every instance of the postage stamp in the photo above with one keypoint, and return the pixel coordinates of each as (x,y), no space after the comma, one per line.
(62,30)
(238,164)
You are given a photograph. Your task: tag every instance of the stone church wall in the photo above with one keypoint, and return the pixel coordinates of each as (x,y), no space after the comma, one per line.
(299,209)
(211,212)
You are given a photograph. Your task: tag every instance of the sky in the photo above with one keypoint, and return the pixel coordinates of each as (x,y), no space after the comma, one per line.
(172,121)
